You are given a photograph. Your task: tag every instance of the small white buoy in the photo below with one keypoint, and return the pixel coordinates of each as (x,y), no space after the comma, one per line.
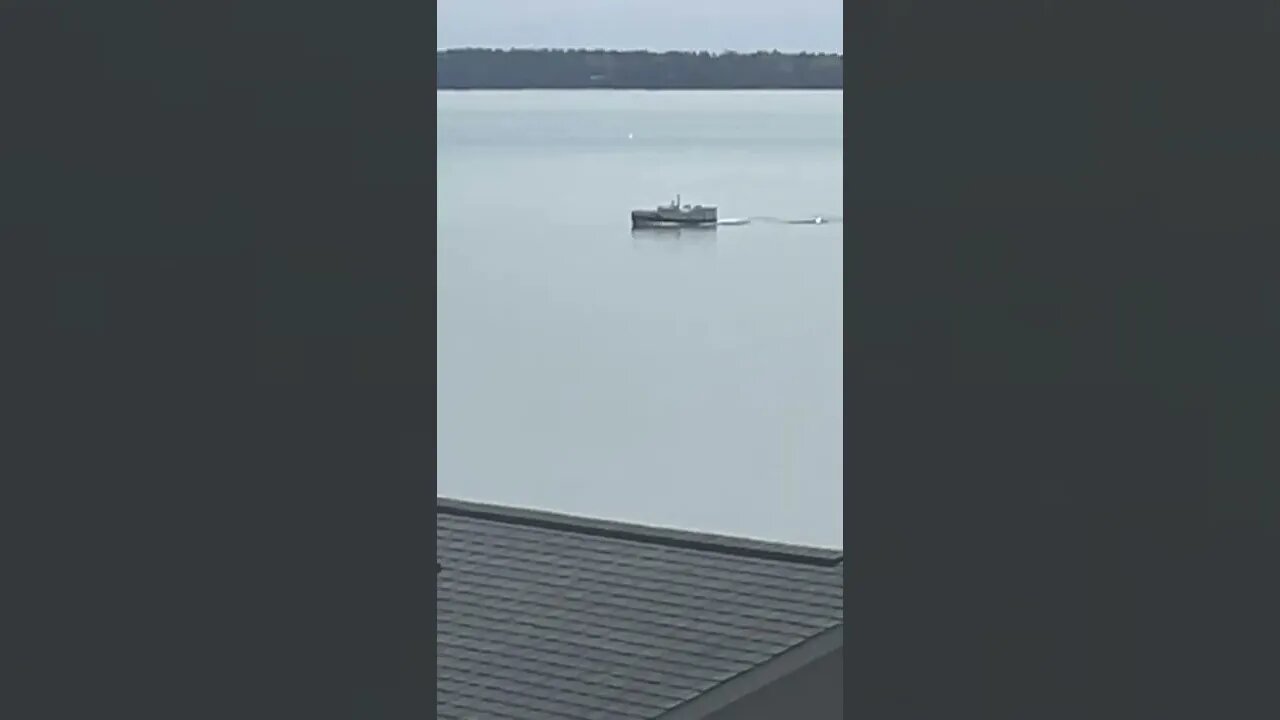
(630,136)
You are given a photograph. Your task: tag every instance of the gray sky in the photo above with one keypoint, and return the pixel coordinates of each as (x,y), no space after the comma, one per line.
(741,25)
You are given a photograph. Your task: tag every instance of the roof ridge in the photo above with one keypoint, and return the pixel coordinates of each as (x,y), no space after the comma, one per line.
(668,537)
(738,686)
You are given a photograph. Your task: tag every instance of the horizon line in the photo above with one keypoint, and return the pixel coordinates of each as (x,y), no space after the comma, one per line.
(725,51)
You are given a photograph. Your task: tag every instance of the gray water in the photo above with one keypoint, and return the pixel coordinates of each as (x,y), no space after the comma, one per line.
(689,380)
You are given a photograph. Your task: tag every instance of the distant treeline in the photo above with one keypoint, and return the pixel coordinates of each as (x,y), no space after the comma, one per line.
(476,69)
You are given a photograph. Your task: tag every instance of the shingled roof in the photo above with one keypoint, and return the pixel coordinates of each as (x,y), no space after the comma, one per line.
(541,615)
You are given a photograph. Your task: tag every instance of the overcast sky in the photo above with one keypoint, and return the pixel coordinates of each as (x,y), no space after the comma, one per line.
(741,25)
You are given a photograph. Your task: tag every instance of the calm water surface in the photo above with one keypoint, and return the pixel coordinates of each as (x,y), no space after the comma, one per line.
(690,380)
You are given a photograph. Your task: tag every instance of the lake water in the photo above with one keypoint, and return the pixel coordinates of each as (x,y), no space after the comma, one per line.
(690,380)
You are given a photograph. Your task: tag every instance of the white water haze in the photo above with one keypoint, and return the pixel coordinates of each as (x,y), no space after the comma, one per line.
(688,378)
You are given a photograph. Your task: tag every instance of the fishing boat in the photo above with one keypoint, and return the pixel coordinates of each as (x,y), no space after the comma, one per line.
(675,215)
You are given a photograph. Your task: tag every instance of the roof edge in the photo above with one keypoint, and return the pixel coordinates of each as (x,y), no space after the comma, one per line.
(744,683)
(683,539)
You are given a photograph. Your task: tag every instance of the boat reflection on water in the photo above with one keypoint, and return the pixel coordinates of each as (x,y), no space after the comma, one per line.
(674,239)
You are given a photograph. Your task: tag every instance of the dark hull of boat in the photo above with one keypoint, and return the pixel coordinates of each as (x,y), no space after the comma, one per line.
(642,219)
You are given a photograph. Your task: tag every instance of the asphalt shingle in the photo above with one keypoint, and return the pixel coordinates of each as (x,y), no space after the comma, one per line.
(548,616)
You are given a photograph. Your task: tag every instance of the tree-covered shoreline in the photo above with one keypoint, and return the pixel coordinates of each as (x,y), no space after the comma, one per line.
(494,69)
